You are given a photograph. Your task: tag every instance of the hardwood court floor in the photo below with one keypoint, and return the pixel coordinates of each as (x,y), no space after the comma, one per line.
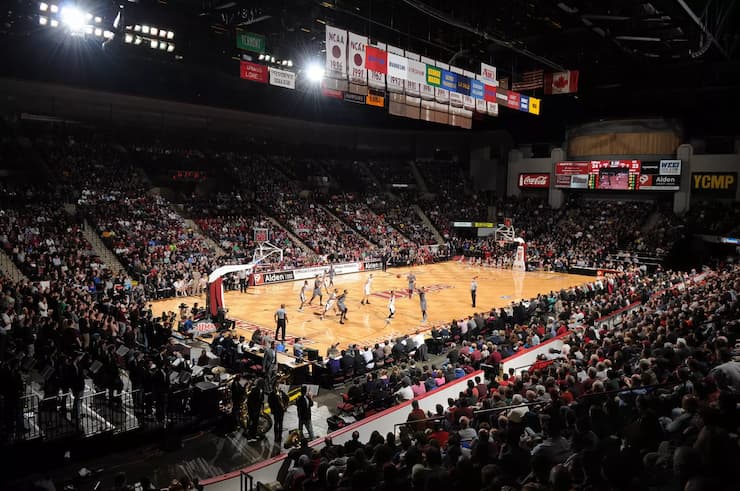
(448,297)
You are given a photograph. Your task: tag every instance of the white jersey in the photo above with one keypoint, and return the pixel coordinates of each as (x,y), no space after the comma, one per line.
(368,285)
(330,302)
(303,293)
(392,304)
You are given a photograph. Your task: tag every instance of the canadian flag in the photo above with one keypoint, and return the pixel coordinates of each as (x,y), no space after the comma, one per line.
(561,82)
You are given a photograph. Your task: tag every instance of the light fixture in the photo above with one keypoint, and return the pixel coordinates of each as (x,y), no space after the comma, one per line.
(284,63)
(137,40)
(108,34)
(153,44)
(145,29)
(315,72)
(89,29)
(272,59)
(43,20)
(261,57)
(290,62)
(98,32)
(89,16)
(73,18)
(54,23)
(137,28)
(170,35)
(54,9)
(153,31)
(98,20)
(163,33)
(43,6)
(170,48)
(128,38)
(162,45)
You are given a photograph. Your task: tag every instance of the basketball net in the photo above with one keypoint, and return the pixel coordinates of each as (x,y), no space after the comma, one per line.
(265,248)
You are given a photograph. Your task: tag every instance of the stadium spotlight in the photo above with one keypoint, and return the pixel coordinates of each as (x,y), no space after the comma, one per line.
(170,48)
(43,20)
(98,31)
(262,57)
(73,18)
(170,35)
(153,31)
(129,38)
(272,59)
(145,29)
(290,63)
(137,40)
(162,45)
(43,6)
(54,9)
(315,72)
(153,44)
(54,23)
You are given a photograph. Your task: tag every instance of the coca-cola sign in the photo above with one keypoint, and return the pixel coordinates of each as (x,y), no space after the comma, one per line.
(534,181)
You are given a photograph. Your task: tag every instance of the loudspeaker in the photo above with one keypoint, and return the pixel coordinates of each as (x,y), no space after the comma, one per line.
(311,354)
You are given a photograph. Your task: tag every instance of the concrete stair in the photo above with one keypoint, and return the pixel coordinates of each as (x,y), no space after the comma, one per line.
(290,234)
(9,268)
(428,223)
(420,182)
(107,256)
(331,213)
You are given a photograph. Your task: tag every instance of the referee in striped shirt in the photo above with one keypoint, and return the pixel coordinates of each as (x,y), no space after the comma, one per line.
(281,318)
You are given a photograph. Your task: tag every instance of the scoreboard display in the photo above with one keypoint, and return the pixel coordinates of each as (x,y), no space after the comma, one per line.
(614,174)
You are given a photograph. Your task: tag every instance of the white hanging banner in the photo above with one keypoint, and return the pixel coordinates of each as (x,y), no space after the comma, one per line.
(480,105)
(488,74)
(426,91)
(397,66)
(468,102)
(376,80)
(357,70)
(442,95)
(282,78)
(456,99)
(457,70)
(336,52)
(417,72)
(491,108)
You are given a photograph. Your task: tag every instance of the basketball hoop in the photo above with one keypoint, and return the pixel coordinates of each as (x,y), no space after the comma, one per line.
(264,248)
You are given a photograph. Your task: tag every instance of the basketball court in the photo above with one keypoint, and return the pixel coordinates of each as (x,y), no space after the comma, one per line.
(448,297)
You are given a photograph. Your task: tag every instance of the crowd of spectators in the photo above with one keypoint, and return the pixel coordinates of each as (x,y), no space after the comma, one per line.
(399,213)
(355,212)
(648,403)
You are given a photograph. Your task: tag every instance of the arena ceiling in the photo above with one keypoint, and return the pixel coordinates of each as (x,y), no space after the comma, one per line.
(674,58)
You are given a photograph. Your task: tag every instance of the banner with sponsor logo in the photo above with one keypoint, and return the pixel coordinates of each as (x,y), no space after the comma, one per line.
(336,52)
(253,72)
(375,100)
(541,181)
(449,80)
(524,103)
(354,98)
(721,184)
(282,78)
(477,89)
(249,41)
(664,175)
(534,106)
(434,76)
(669,168)
(357,70)
(273,277)
(572,174)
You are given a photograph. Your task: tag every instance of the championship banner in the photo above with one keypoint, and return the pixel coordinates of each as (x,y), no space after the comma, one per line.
(336,52)
(463,85)
(397,69)
(434,76)
(480,106)
(282,78)
(488,74)
(253,72)
(415,75)
(456,100)
(524,103)
(457,70)
(442,96)
(489,93)
(449,80)
(492,108)
(376,62)
(426,92)
(477,89)
(358,72)
(468,102)
(534,106)
(513,101)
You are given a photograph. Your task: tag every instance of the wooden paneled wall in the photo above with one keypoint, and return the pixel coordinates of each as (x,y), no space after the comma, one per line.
(643,143)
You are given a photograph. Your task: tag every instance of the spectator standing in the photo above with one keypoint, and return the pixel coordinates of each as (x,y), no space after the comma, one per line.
(303,406)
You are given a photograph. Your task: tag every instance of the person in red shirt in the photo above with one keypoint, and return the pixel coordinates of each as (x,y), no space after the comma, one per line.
(415,417)
(439,434)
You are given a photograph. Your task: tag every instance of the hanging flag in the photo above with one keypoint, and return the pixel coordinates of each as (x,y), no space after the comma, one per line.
(357,70)
(282,78)
(434,76)
(524,103)
(336,52)
(253,72)
(561,82)
(529,80)
(397,69)
(488,74)
(417,72)
(477,89)
(489,92)
(534,106)
(376,59)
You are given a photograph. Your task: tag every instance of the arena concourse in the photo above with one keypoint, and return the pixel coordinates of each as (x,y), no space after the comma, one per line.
(329,246)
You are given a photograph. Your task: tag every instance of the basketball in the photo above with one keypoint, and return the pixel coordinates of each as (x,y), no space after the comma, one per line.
(398,276)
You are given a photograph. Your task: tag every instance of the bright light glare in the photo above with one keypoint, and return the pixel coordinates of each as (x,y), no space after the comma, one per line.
(290,63)
(129,38)
(54,23)
(98,32)
(43,20)
(73,18)
(43,6)
(170,48)
(315,72)
(162,45)
(153,31)
(107,35)
(98,20)
(153,44)
(54,9)
(170,35)
(145,29)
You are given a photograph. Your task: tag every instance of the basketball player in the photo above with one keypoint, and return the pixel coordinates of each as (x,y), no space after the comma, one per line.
(302,296)
(317,282)
(332,273)
(342,307)
(411,277)
(368,288)
(281,319)
(391,307)
(329,303)
(423,304)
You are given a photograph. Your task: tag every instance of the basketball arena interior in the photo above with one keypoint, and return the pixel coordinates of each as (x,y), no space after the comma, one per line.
(369,245)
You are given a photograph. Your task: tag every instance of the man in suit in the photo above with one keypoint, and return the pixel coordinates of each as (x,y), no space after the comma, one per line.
(269,364)
(303,405)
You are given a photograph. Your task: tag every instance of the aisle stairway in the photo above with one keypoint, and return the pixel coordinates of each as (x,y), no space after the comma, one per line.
(290,234)
(106,255)
(9,268)
(428,223)
(198,232)
(333,215)
(420,182)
